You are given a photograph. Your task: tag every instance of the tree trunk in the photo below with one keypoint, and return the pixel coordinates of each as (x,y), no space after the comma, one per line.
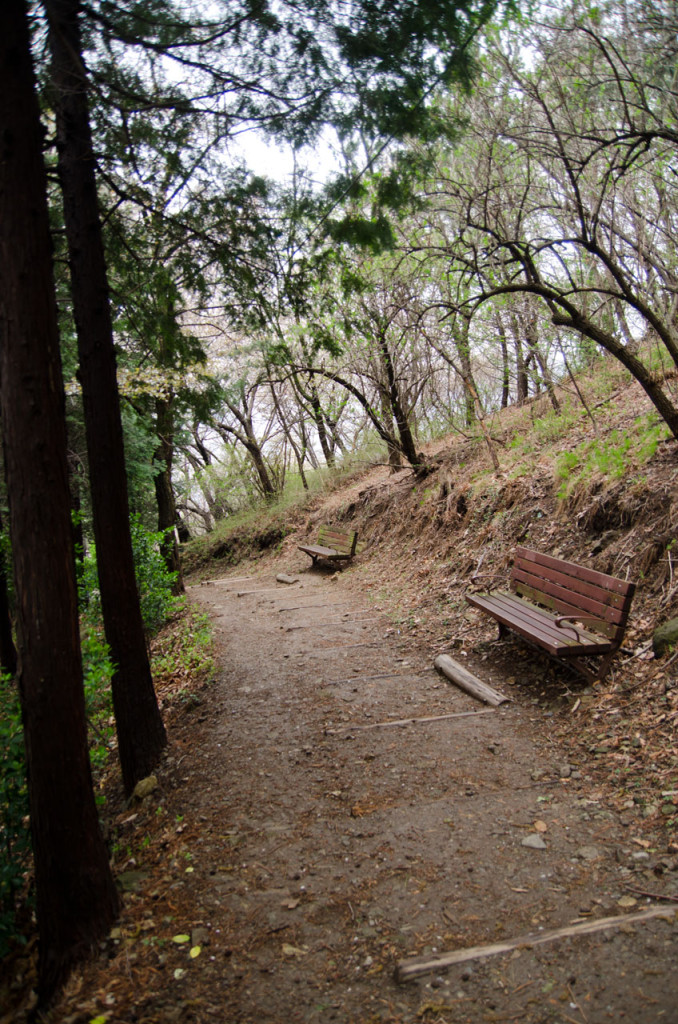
(463,347)
(399,414)
(319,420)
(8,655)
(395,460)
(505,371)
(140,730)
(522,381)
(299,452)
(532,338)
(164,492)
(76,896)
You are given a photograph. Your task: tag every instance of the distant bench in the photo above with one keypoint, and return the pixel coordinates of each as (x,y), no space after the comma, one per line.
(333,546)
(569,610)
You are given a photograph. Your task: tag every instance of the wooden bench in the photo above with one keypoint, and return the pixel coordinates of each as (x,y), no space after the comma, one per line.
(332,546)
(571,611)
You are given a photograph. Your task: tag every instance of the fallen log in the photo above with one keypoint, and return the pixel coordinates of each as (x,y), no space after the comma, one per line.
(415,967)
(466,681)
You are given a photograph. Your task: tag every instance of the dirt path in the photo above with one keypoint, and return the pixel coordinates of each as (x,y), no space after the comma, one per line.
(328,846)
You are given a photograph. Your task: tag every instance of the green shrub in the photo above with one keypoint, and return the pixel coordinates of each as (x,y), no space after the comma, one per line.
(154,579)
(97,671)
(613,457)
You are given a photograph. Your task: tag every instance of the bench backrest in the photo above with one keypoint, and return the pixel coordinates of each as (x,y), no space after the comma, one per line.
(570,589)
(346,543)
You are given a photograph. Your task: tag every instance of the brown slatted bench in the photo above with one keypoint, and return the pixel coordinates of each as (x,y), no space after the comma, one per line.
(333,546)
(569,610)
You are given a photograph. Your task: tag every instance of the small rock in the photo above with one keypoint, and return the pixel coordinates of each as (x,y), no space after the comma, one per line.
(665,637)
(534,841)
(588,853)
(200,936)
(145,787)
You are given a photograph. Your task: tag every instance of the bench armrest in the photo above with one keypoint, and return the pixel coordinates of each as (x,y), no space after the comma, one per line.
(571,619)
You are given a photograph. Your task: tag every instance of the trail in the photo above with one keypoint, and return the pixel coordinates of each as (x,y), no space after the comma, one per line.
(331,851)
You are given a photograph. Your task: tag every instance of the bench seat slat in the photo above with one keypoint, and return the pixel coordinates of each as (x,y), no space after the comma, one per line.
(333,545)
(319,551)
(539,625)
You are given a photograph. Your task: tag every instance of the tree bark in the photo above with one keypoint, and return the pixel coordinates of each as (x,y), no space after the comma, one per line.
(400,416)
(140,730)
(76,896)
(8,655)
(505,371)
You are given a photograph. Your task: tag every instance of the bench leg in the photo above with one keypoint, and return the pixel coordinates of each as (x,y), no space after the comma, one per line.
(590,675)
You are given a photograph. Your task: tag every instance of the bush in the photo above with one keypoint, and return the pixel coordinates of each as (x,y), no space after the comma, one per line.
(154,579)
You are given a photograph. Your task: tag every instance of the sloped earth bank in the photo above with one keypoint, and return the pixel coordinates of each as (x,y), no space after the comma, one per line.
(309,844)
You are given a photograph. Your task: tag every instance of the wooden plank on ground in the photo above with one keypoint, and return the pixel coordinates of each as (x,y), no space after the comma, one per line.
(259,590)
(345,647)
(230,579)
(415,967)
(464,679)
(333,622)
(414,674)
(416,721)
(301,607)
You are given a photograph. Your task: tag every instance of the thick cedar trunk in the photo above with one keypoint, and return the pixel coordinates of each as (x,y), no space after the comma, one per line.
(141,734)
(76,895)
(8,656)
(164,492)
